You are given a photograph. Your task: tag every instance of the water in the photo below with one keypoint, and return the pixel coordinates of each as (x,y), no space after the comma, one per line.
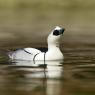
(74,76)
(25,22)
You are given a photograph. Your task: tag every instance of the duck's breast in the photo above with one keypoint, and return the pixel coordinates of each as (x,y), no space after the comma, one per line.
(54,55)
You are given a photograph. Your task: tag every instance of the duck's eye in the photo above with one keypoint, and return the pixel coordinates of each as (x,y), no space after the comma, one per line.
(56,33)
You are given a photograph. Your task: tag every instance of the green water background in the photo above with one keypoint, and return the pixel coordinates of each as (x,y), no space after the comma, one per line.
(30,21)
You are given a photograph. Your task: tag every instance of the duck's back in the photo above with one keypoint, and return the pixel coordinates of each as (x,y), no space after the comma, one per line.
(24,54)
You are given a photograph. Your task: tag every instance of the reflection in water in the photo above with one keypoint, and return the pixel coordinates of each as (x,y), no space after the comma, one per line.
(41,69)
(29,79)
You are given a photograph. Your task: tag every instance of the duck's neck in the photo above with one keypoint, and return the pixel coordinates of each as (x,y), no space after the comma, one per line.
(55,46)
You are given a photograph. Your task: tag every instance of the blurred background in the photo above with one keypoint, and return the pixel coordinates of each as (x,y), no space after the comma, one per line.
(25,22)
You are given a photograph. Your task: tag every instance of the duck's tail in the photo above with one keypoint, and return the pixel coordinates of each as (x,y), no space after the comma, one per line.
(10,54)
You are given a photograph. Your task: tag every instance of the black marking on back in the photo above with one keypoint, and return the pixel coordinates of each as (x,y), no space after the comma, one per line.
(42,49)
(27,52)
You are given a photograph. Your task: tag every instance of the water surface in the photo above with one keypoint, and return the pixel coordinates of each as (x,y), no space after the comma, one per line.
(74,76)
(27,23)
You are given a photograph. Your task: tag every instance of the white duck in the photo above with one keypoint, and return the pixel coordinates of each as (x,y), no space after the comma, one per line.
(53,52)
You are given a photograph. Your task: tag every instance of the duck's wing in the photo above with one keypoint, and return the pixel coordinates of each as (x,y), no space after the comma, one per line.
(32,50)
(23,53)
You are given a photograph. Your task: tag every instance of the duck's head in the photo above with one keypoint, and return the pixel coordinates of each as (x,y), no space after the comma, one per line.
(55,36)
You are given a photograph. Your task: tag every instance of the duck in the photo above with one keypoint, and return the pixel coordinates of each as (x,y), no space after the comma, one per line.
(53,51)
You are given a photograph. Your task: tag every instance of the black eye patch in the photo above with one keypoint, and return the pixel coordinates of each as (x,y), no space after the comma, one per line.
(56,33)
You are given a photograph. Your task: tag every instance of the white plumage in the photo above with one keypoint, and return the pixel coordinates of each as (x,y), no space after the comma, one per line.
(53,52)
